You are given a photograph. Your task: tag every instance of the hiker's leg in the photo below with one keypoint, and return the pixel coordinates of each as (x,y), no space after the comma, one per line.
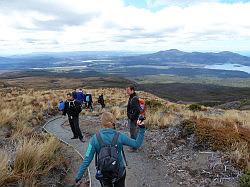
(121,181)
(72,126)
(77,128)
(133,129)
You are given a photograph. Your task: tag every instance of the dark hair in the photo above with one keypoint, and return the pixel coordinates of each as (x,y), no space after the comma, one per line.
(131,87)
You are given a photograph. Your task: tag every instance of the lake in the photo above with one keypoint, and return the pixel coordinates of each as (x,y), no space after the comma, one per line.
(229,67)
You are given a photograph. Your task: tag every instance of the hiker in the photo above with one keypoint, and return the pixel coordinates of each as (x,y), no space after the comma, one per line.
(73,108)
(89,101)
(101,101)
(108,141)
(133,112)
(80,96)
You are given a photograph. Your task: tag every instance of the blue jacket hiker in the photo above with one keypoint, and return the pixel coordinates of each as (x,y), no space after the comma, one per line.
(108,136)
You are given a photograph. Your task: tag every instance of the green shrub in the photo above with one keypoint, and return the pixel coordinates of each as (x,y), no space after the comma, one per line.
(153,104)
(245,179)
(187,128)
(194,107)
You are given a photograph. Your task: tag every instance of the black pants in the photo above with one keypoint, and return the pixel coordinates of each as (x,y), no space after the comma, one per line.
(89,105)
(119,183)
(74,125)
(103,104)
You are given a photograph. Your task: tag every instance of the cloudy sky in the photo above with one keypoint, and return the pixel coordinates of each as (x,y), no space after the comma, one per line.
(132,25)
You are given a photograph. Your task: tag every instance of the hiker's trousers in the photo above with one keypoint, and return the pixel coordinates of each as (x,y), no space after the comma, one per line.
(133,128)
(119,183)
(74,125)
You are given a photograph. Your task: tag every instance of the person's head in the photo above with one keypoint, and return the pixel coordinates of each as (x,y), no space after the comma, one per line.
(108,120)
(130,90)
(69,96)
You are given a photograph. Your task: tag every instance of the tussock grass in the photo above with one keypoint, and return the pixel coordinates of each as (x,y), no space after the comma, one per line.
(34,158)
(4,167)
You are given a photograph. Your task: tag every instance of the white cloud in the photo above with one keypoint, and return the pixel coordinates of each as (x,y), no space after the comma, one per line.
(157,3)
(30,25)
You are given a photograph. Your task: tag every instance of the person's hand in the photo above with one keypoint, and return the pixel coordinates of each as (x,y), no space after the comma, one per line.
(78,182)
(140,124)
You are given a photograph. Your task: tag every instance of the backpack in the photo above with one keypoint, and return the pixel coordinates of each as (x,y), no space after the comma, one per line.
(106,160)
(61,105)
(87,98)
(142,104)
(143,107)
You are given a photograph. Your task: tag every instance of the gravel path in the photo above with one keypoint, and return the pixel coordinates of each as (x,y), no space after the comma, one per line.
(141,171)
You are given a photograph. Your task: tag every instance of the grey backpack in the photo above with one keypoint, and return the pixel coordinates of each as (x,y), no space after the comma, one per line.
(107,163)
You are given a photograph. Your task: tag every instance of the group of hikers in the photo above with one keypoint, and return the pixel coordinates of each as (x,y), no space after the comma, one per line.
(86,99)
(107,144)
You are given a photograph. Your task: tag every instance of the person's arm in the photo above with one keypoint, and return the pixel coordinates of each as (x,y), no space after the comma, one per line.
(65,108)
(131,142)
(87,160)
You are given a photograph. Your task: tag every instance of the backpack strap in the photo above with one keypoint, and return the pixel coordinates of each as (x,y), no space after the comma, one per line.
(115,139)
(99,139)
(101,143)
(135,97)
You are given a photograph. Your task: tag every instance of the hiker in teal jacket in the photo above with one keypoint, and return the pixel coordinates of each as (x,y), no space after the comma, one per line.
(107,133)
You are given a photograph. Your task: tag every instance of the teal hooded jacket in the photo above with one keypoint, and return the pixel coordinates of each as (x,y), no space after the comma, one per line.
(107,135)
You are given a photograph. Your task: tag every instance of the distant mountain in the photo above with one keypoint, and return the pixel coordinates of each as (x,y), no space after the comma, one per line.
(174,56)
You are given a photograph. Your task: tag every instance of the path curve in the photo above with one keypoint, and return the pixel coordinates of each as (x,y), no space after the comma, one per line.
(54,127)
(141,171)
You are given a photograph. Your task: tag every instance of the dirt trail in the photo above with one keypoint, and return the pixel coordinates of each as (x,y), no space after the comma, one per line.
(163,161)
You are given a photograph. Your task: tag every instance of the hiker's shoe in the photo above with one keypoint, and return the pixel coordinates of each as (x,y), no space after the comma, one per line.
(74,138)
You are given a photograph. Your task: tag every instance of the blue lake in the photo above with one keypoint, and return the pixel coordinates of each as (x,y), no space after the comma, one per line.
(229,67)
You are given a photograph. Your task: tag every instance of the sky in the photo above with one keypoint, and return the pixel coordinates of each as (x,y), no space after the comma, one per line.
(28,26)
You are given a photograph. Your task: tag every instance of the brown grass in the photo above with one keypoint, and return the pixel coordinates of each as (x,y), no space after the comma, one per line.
(32,159)
(4,167)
